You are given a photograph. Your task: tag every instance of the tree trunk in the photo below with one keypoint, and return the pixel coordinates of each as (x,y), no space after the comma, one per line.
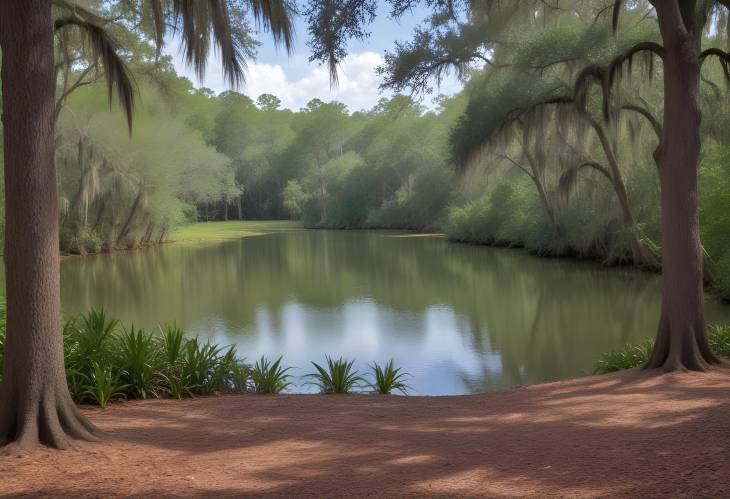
(130,218)
(681,342)
(240,208)
(35,404)
(639,253)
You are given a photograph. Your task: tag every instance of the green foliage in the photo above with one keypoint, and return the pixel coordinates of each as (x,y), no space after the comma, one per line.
(80,242)
(632,356)
(338,377)
(139,362)
(269,377)
(629,357)
(719,338)
(105,361)
(294,198)
(103,385)
(388,378)
(87,341)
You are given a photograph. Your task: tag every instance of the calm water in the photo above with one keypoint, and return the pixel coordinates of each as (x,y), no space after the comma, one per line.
(459,318)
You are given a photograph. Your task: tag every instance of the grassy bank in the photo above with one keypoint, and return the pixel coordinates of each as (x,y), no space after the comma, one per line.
(234,229)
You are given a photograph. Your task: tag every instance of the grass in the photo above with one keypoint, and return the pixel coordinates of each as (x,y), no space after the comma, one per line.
(221,231)
(628,357)
(635,355)
(338,377)
(388,378)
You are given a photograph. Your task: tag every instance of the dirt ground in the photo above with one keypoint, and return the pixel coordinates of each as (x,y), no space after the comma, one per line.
(628,434)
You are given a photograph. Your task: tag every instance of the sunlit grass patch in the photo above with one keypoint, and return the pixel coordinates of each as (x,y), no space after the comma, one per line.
(221,231)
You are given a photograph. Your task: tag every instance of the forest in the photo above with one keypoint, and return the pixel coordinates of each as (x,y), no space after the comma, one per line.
(525,223)
(563,165)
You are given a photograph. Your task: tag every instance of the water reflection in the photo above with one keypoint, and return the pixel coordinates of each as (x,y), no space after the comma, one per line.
(459,318)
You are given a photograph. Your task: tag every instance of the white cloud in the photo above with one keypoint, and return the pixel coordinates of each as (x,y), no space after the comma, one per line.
(357,88)
(358,83)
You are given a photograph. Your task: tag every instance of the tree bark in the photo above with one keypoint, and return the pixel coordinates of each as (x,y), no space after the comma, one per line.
(681,342)
(35,404)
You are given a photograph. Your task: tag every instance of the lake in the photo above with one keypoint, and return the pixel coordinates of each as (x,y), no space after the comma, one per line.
(459,318)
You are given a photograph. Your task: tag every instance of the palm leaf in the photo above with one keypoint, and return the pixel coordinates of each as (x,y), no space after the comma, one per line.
(104,49)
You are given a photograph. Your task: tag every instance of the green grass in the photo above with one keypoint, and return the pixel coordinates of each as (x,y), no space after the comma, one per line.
(628,357)
(635,355)
(221,231)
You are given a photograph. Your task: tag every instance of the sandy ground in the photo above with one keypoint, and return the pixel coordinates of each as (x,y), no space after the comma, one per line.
(628,435)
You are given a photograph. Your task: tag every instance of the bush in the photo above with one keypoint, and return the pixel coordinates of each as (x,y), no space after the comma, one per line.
(388,378)
(719,337)
(80,242)
(629,357)
(636,355)
(338,377)
(269,377)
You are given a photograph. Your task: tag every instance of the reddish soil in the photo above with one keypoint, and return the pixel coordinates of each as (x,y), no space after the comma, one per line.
(629,434)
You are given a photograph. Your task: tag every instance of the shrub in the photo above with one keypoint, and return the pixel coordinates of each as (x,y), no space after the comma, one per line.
(138,362)
(338,377)
(628,357)
(719,337)
(269,377)
(635,355)
(81,241)
(388,378)
(89,340)
(103,385)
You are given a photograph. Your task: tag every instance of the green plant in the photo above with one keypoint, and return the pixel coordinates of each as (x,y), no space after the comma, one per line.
(628,357)
(171,344)
(388,378)
(199,361)
(89,339)
(103,385)
(138,361)
(225,370)
(719,338)
(269,377)
(338,377)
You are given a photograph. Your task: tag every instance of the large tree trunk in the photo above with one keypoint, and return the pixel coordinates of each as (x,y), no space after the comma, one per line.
(681,342)
(35,404)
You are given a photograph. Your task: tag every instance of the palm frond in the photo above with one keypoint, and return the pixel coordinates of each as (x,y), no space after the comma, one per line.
(104,51)
(199,20)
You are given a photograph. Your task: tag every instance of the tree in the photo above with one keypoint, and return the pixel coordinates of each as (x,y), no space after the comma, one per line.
(268,102)
(35,405)
(681,341)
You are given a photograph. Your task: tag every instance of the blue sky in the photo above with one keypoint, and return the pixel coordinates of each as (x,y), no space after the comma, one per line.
(295,80)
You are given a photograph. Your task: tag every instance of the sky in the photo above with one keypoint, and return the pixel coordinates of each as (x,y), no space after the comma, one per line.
(296,81)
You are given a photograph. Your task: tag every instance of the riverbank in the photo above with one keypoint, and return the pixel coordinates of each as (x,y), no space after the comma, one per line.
(628,434)
(202,232)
